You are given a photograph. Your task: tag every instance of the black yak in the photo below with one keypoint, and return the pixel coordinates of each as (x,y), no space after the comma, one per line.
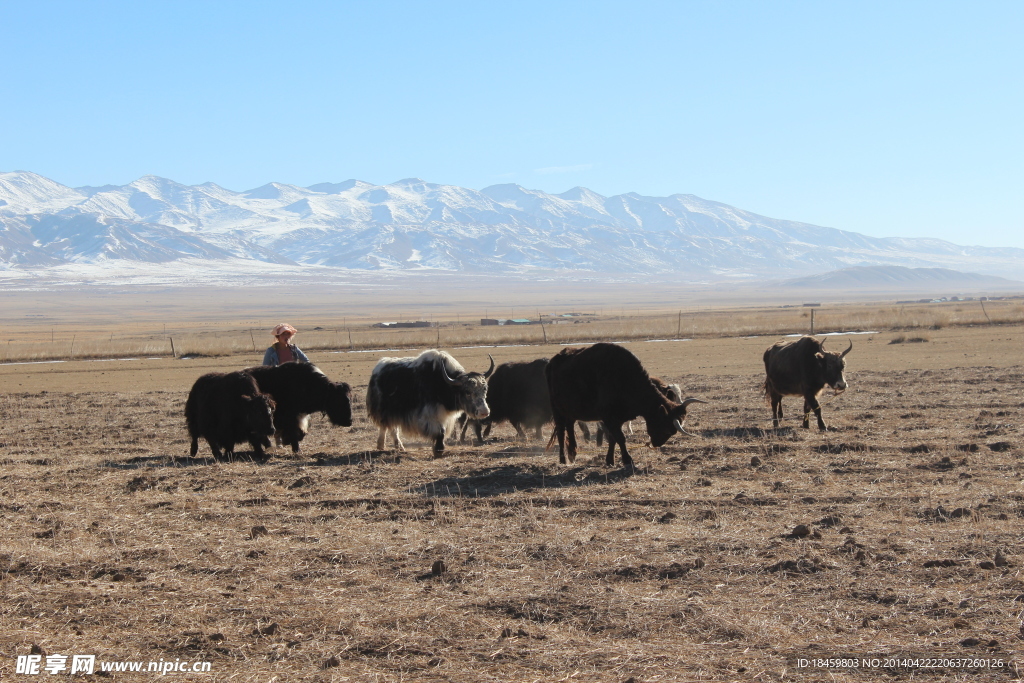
(227,409)
(802,367)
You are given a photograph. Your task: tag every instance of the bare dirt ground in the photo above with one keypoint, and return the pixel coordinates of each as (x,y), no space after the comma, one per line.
(498,564)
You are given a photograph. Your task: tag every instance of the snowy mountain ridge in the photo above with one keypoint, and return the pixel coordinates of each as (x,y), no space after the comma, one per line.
(412,224)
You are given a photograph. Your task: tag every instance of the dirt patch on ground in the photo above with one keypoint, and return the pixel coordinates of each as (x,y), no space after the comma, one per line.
(726,556)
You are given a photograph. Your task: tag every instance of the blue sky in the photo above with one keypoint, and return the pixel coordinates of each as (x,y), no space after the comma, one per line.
(886,118)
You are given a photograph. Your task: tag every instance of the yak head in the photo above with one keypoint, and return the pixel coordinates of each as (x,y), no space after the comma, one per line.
(671,419)
(832,366)
(259,415)
(339,404)
(471,389)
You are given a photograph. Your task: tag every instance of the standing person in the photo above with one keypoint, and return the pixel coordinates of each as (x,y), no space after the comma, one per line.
(283,350)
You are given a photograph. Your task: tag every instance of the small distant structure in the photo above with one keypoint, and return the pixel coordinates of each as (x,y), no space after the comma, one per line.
(396,325)
(507,321)
(812,305)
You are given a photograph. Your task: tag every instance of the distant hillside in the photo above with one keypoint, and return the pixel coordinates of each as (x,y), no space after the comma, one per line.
(900,278)
(415,226)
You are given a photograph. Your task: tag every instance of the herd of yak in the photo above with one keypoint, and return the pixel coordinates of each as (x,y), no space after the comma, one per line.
(425,395)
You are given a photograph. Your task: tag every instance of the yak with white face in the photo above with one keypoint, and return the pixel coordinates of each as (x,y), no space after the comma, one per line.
(424,395)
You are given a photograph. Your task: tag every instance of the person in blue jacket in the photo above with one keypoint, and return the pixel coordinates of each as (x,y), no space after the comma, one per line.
(283,350)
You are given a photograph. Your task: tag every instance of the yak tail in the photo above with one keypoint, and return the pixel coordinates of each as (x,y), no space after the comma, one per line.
(767,390)
(551,441)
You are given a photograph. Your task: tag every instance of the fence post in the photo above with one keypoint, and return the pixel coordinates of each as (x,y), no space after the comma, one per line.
(985,312)
(812,322)
(545,333)
(173,355)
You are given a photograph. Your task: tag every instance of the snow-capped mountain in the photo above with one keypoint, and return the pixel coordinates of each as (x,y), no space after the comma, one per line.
(412,224)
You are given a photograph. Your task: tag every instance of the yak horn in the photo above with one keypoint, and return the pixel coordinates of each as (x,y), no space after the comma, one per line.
(682,430)
(491,369)
(691,400)
(843,354)
(447,378)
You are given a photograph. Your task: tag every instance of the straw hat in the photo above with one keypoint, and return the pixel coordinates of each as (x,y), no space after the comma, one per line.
(282,328)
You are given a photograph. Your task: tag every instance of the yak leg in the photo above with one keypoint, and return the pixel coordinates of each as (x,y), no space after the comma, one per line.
(301,427)
(291,437)
(382,438)
(537,433)
(572,441)
(195,447)
(438,449)
(560,435)
(464,423)
(586,431)
(812,403)
(520,434)
(776,400)
(616,436)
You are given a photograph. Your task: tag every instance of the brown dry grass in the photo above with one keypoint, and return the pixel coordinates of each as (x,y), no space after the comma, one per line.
(318,568)
(130,329)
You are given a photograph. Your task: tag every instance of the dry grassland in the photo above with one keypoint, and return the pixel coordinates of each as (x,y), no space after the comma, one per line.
(71,325)
(496,563)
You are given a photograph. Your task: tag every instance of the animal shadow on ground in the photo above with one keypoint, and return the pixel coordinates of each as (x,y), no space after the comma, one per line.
(515,449)
(151,461)
(505,479)
(356,458)
(746,432)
